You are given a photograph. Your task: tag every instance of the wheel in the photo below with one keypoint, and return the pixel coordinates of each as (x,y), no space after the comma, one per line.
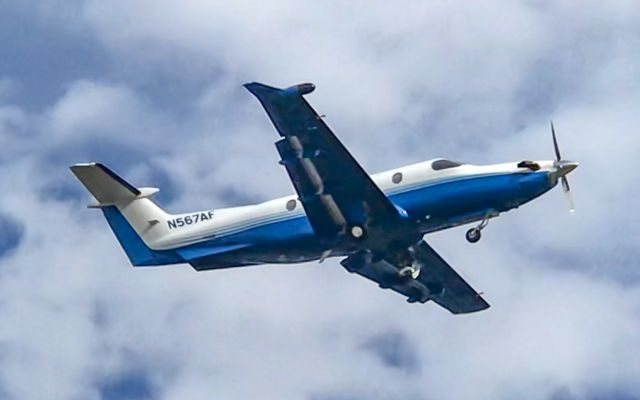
(409,272)
(473,235)
(357,231)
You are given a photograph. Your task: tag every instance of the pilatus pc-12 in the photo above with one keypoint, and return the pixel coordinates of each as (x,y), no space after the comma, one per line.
(375,222)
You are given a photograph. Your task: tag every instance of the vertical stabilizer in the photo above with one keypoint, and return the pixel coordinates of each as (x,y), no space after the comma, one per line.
(136,221)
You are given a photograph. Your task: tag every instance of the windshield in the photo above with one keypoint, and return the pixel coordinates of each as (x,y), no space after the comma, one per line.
(437,165)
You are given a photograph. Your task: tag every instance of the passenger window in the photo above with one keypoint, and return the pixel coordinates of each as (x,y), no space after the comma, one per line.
(291,205)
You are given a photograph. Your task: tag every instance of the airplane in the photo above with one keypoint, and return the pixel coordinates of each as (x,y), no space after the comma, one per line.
(377,223)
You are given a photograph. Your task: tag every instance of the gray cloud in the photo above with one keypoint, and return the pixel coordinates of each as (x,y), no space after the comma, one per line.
(395,351)
(12,232)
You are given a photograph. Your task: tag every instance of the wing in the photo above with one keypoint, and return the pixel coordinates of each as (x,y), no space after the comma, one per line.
(333,188)
(437,280)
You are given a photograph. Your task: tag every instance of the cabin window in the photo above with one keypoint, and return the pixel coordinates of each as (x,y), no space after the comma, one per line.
(291,205)
(438,165)
(396,178)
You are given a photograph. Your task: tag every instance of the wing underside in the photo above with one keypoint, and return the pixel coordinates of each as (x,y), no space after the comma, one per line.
(437,281)
(337,193)
(333,188)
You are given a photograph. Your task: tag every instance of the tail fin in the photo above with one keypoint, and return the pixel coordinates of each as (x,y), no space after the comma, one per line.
(133,217)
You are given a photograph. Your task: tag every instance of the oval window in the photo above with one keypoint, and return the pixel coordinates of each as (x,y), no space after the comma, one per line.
(291,205)
(397,177)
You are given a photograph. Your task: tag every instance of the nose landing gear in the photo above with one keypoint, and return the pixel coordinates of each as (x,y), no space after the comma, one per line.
(474,234)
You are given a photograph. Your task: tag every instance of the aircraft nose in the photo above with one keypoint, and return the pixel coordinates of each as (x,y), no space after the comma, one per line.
(564,167)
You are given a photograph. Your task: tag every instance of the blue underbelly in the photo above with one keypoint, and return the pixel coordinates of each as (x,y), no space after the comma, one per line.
(436,205)
(447,204)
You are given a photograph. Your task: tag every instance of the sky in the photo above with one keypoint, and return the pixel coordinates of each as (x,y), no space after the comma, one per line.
(153,90)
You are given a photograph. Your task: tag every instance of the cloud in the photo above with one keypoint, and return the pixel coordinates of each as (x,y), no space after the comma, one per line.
(399,83)
(130,386)
(12,233)
(394,350)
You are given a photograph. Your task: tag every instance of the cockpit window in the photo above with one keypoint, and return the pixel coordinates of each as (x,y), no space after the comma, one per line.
(534,166)
(437,165)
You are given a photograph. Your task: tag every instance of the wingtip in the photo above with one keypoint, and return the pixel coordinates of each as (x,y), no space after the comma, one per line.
(256,87)
(259,89)
(79,166)
(479,308)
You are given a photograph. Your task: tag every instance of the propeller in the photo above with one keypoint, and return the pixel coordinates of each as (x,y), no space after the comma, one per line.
(563,167)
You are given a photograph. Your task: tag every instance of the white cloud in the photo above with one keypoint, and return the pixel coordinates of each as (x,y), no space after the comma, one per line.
(102,110)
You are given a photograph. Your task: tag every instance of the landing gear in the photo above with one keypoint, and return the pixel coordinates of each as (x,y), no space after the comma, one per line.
(474,234)
(411,271)
(357,231)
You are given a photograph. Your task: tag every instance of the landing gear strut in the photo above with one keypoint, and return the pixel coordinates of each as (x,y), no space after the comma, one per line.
(474,234)
(412,271)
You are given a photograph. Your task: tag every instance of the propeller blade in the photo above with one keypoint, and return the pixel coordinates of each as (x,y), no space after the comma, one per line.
(555,142)
(567,194)
(565,184)
(563,168)
(572,207)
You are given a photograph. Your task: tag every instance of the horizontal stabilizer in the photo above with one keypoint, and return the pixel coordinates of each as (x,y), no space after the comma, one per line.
(106,186)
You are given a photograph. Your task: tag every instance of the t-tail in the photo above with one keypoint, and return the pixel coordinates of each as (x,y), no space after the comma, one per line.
(136,221)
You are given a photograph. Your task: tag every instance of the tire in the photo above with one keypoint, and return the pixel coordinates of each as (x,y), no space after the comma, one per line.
(357,232)
(473,235)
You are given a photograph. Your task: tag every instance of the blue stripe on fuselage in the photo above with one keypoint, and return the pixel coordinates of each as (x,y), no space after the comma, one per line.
(446,203)
(134,247)
(436,198)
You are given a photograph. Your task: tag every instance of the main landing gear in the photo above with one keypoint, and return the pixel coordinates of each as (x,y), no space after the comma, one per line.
(357,232)
(412,268)
(474,234)
(412,271)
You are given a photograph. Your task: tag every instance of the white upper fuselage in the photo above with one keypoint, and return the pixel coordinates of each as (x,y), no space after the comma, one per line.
(183,229)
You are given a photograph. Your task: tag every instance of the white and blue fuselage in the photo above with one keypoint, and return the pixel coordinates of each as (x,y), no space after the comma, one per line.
(278,231)
(376,222)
